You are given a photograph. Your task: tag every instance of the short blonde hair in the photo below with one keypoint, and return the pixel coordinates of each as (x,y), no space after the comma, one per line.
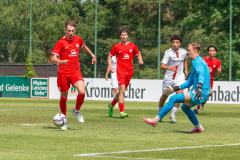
(70,23)
(196,46)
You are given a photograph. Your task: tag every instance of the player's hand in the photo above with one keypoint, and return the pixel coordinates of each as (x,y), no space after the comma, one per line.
(94,60)
(106,77)
(198,92)
(169,90)
(172,68)
(140,62)
(65,61)
(176,88)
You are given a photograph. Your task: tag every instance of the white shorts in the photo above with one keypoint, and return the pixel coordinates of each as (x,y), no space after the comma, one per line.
(114,81)
(172,83)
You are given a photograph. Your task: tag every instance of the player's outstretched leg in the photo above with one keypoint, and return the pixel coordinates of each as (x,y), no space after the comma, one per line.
(177,98)
(192,117)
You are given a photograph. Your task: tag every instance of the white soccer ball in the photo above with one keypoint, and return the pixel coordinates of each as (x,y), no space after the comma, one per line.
(59,119)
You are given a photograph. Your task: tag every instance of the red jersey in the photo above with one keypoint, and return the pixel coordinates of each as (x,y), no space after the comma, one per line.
(124,55)
(213,65)
(68,49)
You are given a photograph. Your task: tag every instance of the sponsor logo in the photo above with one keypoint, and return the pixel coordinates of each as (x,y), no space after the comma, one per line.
(221,94)
(126,56)
(73,53)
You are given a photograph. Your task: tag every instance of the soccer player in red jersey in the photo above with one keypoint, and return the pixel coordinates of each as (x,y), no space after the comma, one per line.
(124,52)
(65,54)
(214,64)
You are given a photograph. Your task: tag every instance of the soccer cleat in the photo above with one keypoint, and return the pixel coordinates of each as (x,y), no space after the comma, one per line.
(64,127)
(151,122)
(78,115)
(123,114)
(172,118)
(197,129)
(110,110)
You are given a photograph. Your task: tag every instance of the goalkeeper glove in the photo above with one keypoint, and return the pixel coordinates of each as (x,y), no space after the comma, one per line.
(198,92)
(176,88)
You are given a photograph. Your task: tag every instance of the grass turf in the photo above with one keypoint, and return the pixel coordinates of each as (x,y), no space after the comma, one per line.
(27,132)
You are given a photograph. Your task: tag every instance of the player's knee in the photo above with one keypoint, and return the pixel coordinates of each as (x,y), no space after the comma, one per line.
(64,94)
(175,98)
(81,92)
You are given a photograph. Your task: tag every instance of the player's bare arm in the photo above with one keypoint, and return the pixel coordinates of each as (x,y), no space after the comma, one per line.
(109,61)
(186,67)
(107,73)
(172,68)
(56,60)
(89,52)
(140,61)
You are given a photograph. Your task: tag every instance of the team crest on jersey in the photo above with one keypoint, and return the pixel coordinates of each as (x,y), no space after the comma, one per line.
(77,45)
(130,50)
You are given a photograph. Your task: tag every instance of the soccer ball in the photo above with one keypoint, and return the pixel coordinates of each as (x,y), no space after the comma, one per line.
(59,119)
(169,90)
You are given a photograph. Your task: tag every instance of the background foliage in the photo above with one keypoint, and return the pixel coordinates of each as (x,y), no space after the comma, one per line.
(206,22)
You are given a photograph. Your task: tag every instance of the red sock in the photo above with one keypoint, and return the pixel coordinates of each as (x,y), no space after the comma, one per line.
(79,101)
(63,105)
(114,101)
(198,107)
(121,107)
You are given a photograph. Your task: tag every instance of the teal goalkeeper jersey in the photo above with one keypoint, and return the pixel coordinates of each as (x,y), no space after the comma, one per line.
(199,74)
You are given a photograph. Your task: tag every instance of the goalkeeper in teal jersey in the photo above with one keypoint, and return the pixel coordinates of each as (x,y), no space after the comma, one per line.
(199,84)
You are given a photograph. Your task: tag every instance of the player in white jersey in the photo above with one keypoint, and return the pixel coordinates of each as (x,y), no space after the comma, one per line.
(175,64)
(114,81)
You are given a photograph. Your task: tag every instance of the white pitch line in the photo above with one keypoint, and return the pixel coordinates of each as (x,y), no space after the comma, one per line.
(25,109)
(34,124)
(153,150)
(132,158)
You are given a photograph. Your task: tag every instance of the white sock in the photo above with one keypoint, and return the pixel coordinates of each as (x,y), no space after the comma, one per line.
(174,110)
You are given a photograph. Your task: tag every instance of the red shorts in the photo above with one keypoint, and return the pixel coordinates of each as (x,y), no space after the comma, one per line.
(124,79)
(64,80)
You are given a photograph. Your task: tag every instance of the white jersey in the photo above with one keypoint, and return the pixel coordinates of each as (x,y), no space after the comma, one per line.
(171,59)
(114,73)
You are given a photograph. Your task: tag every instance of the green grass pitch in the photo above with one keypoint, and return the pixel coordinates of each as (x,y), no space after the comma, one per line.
(27,133)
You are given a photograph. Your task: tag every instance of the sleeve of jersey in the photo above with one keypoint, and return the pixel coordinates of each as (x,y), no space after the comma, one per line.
(136,50)
(165,58)
(113,51)
(57,48)
(188,83)
(81,42)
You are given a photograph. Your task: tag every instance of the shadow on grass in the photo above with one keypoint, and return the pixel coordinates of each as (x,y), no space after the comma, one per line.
(182,132)
(114,117)
(57,129)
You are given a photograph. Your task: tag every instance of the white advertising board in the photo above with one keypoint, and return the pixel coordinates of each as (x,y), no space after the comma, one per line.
(144,90)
